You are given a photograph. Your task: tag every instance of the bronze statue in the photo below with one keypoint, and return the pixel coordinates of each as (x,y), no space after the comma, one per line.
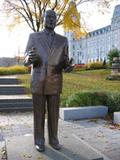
(48,53)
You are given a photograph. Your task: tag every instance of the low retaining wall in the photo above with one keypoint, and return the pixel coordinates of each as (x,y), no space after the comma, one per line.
(76,113)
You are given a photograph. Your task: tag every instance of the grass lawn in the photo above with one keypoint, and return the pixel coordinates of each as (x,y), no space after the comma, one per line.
(94,80)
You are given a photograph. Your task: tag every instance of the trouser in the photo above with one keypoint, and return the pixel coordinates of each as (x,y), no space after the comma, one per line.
(39,108)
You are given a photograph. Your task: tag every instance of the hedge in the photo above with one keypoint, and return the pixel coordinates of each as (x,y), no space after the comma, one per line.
(13,70)
(95,65)
(112,100)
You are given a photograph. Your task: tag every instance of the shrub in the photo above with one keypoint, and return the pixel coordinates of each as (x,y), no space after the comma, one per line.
(86,99)
(113,53)
(78,67)
(95,65)
(113,102)
(13,70)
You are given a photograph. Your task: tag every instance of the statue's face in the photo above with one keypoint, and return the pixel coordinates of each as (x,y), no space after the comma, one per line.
(50,19)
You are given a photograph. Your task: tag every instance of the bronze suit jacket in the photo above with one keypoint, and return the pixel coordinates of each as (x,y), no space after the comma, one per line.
(45,78)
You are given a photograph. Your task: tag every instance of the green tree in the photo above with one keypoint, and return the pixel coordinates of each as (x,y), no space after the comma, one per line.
(113,53)
(32,12)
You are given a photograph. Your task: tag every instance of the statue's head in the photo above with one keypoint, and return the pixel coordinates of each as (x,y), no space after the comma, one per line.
(50,19)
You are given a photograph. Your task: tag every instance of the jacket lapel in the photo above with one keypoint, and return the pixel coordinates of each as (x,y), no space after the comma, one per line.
(56,51)
(52,48)
(53,58)
(43,41)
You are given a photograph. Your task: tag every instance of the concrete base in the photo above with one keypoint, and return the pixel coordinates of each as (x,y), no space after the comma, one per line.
(117,117)
(76,113)
(19,148)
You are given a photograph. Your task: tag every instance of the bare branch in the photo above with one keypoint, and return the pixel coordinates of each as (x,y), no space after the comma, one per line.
(32,11)
(59,23)
(30,14)
(55,5)
(60,14)
(27,20)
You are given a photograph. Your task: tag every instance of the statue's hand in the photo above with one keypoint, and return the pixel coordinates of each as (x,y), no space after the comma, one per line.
(68,69)
(71,61)
(62,65)
(34,58)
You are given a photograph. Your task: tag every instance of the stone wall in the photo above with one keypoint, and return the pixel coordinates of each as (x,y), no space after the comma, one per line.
(7,61)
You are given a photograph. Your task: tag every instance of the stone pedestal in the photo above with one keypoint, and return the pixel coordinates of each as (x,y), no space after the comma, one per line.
(115,69)
(73,148)
(116,66)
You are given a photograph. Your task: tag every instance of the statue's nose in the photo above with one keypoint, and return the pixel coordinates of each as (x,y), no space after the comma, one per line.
(51,20)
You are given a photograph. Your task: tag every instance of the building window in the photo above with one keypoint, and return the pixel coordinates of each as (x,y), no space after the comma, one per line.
(97,33)
(101,31)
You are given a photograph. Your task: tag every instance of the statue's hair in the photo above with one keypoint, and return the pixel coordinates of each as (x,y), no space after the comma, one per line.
(50,10)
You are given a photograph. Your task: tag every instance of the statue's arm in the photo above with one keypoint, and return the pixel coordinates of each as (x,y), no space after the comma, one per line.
(29,47)
(31,56)
(64,63)
(67,63)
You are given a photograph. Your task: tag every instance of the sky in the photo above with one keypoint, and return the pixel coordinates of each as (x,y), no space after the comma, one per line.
(13,42)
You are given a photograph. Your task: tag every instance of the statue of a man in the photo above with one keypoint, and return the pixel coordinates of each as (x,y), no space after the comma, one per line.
(48,54)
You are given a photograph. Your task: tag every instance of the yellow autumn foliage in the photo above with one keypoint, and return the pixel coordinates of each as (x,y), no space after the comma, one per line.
(71,21)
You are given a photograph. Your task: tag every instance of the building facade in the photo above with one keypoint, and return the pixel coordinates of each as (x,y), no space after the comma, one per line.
(96,44)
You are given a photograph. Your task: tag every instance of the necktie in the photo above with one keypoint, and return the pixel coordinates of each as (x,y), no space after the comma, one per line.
(50,39)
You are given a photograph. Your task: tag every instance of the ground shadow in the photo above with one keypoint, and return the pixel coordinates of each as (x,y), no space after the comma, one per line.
(63,154)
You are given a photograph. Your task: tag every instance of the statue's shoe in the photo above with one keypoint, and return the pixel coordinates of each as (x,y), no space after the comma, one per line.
(40,148)
(56,146)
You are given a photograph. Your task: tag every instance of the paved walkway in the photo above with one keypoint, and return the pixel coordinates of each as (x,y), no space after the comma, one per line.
(100,134)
